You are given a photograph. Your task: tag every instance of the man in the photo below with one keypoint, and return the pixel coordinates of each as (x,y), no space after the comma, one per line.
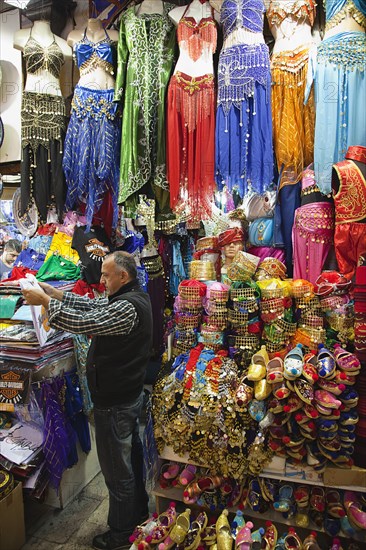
(121,330)
(12,249)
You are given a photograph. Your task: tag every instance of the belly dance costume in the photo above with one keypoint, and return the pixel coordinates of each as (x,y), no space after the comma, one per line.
(350,210)
(313,230)
(43,119)
(293,122)
(338,70)
(244,154)
(92,143)
(191,122)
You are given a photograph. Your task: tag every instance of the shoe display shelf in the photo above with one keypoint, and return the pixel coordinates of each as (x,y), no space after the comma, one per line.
(164,496)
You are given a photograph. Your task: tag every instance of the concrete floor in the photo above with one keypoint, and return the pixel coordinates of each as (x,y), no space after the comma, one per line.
(74,527)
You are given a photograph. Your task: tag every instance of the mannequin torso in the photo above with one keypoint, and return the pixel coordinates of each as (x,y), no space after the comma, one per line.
(290,24)
(42,80)
(195,12)
(94,34)
(346,25)
(150,6)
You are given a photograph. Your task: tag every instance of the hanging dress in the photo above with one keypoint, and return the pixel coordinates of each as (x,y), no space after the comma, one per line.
(191,118)
(43,120)
(244,152)
(145,60)
(293,122)
(92,143)
(338,70)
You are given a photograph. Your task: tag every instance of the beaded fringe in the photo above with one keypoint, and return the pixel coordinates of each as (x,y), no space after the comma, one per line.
(194,42)
(43,119)
(194,97)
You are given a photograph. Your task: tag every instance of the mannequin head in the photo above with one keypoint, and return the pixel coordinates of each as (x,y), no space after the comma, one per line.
(230,242)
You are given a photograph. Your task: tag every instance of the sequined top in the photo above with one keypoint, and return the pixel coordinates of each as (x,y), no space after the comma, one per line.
(39,58)
(338,10)
(195,36)
(89,55)
(299,10)
(236,14)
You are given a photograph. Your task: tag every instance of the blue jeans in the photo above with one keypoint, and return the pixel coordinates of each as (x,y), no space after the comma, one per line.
(120,455)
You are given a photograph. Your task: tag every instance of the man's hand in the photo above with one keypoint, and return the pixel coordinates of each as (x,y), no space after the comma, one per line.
(51,291)
(36,297)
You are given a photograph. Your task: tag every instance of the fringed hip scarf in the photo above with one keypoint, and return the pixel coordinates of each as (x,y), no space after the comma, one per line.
(190,144)
(92,144)
(43,120)
(312,236)
(293,122)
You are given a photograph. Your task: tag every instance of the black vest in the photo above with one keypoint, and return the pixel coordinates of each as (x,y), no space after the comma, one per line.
(116,365)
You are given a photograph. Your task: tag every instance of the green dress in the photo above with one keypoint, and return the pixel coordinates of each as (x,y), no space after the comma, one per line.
(146,49)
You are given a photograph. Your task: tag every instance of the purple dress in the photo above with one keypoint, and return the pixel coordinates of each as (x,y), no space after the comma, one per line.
(244,152)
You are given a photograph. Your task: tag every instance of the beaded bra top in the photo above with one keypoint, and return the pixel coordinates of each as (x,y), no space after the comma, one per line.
(337,10)
(39,58)
(299,10)
(90,55)
(195,36)
(236,14)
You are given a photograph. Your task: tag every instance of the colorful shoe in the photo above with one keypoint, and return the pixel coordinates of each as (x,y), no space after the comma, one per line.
(257,410)
(238,523)
(243,540)
(178,532)
(275,370)
(325,362)
(257,537)
(223,532)
(353,505)
(326,399)
(346,361)
(293,363)
(285,498)
(292,540)
(270,537)
(187,474)
(164,524)
(310,543)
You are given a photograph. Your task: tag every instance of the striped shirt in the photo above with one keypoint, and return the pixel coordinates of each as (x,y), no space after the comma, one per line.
(97,317)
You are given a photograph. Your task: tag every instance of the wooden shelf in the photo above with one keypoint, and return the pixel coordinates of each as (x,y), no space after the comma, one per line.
(316,479)
(176,494)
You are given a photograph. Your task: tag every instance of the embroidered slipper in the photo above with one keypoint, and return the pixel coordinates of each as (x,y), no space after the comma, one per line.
(304,390)
(292,540)
(275,370)
(293,363)
(178,532)
(325,362)
(243,540)
(285,498)
(280,390)
(257,410)
(310,542)
(326,399)
(331,385)
(346,361)
(223,531)
(270,536)
(187,474)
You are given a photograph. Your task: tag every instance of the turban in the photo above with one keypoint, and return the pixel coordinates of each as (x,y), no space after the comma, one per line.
(232,235)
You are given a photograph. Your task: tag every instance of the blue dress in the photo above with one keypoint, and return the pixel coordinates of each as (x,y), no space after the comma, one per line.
(92,143)
(338,70)
(244,152)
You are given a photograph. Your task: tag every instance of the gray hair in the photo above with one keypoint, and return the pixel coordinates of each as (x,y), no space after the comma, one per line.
(13,244)
(126,261)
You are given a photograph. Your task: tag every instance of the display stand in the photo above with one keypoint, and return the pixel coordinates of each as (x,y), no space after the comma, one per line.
(164,496)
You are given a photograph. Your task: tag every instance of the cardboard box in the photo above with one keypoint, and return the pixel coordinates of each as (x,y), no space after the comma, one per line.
(12,528)
(354,478)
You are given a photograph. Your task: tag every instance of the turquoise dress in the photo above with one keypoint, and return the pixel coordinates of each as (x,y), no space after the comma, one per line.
(338,70)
